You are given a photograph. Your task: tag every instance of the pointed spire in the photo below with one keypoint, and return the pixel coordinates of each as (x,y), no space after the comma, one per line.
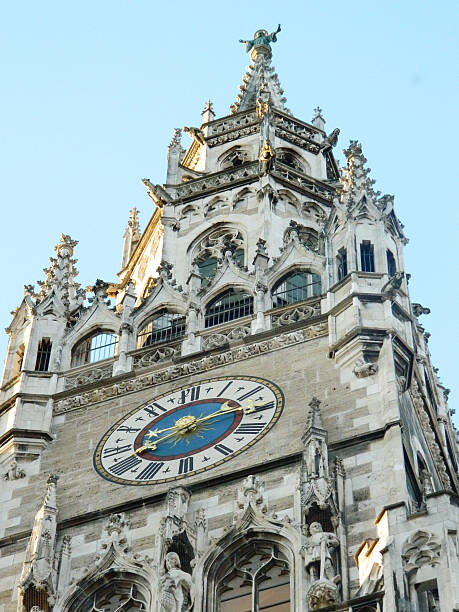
(356,184)
(176,141)
(60,276)
(314,420)
(131,236)
(37,571)
(260,84)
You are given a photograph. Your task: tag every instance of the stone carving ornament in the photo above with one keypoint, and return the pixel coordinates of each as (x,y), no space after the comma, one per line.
(362,368)
(14,472)
(298,313)
(421,548)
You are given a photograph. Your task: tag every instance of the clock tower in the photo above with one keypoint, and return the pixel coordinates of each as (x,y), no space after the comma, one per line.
(246,419)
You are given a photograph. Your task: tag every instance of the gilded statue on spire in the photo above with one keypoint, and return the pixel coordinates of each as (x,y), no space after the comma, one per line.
(261,38)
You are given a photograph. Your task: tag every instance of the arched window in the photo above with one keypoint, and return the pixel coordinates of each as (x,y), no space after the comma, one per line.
(256,577)
(211,249)
(236,157)
(291,159)
(116,592)
(295,287)
(99,345)
(228,306)
(164,327)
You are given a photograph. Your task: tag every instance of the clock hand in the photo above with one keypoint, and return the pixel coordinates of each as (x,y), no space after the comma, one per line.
(155,432)
(226,409)
(188,423)
(153,445)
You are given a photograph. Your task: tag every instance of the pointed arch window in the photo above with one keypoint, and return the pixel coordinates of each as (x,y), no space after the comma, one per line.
(99,345)
(116,592)
(291,159)
(295,287)
(255,578)
(230,305)
(165,326)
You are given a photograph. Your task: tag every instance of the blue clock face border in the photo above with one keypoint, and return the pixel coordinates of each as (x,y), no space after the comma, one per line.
(152,444)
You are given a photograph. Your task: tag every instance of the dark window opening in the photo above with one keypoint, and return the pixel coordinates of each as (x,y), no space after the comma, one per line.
(412,485)
(227,307)
(43,355)
(341,260)
(296,287)
(428,597)
(367,258)
(164,327)
(391,267)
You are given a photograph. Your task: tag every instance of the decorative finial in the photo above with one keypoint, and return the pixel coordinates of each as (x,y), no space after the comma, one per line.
(261,41)
(176,138)
(208,107)
(318,120)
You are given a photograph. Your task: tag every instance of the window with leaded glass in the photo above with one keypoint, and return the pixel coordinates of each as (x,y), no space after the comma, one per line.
(295,287)
(367,257)
(99,345)
(43,355)
(165,326)
(341,261)
(256,578)
(230,305)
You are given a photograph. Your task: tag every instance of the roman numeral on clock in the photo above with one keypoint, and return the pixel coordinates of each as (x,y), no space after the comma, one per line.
(186,465)
(189,395)
(249,393)
(116,450)
(224,450)
(266,406)
(150,409)
(150,471)
(128,429)
(249,428)
(125,465)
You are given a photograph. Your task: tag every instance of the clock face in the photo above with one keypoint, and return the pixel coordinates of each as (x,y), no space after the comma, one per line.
(189,430)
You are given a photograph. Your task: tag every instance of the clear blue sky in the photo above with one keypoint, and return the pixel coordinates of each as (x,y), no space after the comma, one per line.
(93,90)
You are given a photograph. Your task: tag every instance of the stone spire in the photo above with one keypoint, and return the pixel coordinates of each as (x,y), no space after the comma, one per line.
(260,83)
(39,565)
(131,236)
(356,183)
(60,276)
(317,486)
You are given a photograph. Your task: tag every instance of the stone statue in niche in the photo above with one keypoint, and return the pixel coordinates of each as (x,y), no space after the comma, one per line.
(175,585)
(316,462)
(318,554)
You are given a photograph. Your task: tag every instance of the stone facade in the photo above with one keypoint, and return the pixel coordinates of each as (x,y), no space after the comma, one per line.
(262,260)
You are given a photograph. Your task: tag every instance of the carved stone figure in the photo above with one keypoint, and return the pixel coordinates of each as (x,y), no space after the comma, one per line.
(317,554)
(175,587)
(14,472)
(266,157)
(364,368)
(196,134)
(321,595)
